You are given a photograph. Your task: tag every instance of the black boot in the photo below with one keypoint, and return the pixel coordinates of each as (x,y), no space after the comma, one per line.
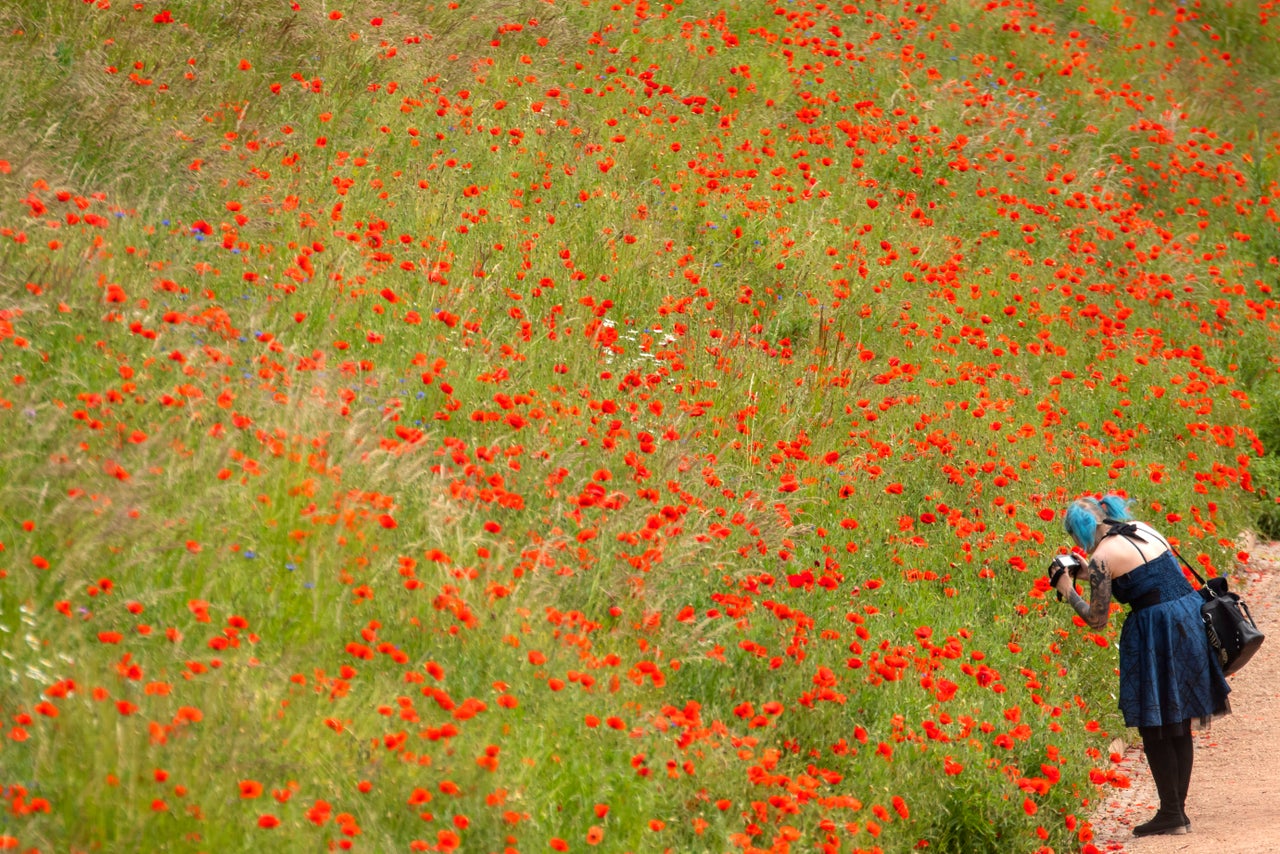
(1163,761)
(1163,823)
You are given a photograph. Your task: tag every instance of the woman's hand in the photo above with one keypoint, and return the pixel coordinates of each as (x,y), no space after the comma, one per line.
(1063,570)
(1066,584)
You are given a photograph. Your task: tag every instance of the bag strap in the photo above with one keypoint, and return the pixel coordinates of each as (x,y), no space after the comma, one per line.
(1245,610)
(1203,584)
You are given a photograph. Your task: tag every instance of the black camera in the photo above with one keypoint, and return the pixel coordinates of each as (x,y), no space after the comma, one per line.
(1068,563)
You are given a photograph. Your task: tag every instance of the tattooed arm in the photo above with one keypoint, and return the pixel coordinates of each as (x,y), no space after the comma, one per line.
(1095,611)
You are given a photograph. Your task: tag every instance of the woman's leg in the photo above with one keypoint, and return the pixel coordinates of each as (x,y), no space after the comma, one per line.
(1184,749)
(1162,757)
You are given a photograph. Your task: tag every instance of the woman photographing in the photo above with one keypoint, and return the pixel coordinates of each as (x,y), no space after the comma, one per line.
(1169,681)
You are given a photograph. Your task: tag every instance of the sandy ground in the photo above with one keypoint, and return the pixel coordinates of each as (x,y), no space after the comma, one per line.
(1234,802)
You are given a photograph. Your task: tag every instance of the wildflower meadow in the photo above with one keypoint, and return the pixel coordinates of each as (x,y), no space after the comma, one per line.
(556,425)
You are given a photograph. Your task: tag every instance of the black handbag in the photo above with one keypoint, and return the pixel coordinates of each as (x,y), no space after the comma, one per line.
(1233,635)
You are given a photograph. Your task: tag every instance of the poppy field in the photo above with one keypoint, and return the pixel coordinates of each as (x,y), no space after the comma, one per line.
(566,425)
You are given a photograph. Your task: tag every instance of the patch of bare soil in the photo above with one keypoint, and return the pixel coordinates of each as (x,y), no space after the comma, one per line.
(1234,802)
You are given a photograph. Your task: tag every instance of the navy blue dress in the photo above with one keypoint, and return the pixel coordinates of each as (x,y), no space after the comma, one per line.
(1167,675)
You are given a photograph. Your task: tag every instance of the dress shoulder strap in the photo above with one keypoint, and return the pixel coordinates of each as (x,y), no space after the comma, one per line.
(1139,531)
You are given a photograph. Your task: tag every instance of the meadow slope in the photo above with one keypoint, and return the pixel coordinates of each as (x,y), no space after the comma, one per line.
(517,425)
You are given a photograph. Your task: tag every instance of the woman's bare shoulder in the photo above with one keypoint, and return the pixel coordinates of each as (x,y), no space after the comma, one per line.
(1109,553)
(1104,548)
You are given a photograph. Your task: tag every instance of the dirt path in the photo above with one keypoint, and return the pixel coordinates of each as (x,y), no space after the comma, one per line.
(1234,803)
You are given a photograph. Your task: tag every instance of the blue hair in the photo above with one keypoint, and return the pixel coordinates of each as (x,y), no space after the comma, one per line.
(1081,522)
(1117,508)
(1084,514)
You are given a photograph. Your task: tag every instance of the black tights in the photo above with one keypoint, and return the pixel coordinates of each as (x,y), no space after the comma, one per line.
(1170,757)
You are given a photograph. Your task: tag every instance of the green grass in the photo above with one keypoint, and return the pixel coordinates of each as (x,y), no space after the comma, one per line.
(490,425)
